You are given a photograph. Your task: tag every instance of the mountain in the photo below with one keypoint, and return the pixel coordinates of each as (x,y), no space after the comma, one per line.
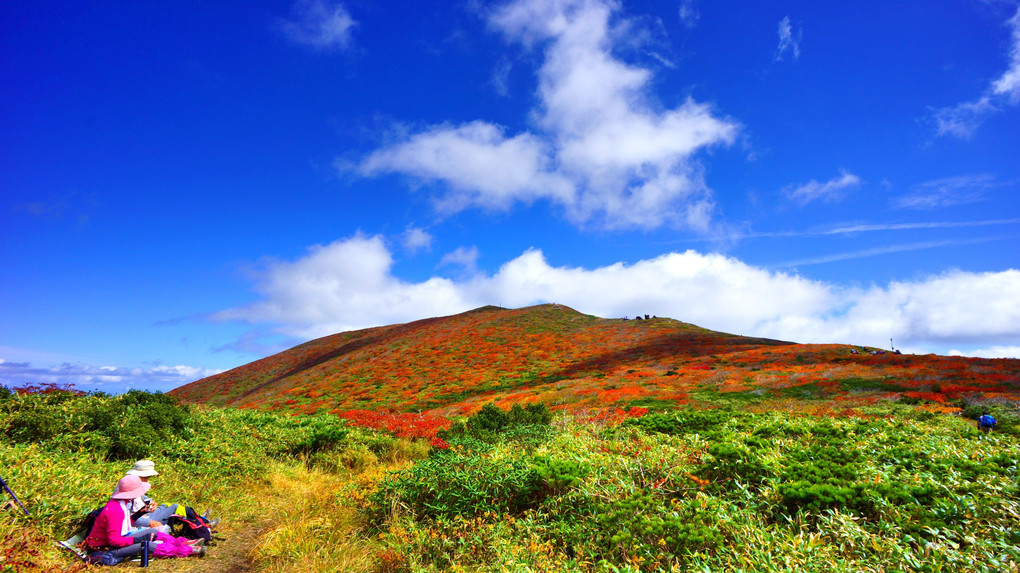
(555,355)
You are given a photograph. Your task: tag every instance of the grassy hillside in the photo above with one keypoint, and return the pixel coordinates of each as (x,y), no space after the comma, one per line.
(553,355)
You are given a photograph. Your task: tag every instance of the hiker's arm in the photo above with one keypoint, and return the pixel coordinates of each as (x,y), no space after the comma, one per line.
(106,530)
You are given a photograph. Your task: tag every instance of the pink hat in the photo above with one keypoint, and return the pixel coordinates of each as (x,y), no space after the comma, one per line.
(130,487)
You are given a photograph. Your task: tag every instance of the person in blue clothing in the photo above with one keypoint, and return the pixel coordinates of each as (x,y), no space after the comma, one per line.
(986,422)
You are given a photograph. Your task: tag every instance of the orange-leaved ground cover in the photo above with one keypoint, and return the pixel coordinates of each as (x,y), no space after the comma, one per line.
(551,354)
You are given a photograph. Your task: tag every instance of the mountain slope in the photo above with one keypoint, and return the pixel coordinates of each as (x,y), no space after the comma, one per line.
(555,355)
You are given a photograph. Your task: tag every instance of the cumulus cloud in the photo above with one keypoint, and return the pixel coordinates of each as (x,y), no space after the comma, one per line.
(112,379)
(963,119)
(318,24)
(601,149)
(345,285)
(480,165)
(948,192)
(349,285)
(789,42)
(831,190)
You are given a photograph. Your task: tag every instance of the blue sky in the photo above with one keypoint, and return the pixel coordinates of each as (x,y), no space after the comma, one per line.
(187,188)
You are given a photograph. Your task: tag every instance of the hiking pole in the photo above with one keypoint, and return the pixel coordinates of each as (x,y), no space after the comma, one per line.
(8,490)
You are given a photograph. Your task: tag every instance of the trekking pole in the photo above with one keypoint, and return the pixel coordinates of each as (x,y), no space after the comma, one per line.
(8,490)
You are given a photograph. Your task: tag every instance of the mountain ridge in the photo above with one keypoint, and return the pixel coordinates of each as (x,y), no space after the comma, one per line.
(555,355)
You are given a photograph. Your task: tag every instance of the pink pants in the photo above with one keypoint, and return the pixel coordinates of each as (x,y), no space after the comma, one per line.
(171,546)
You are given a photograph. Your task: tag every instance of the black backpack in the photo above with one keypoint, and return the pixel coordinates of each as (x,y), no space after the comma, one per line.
(191,525)
(84,527)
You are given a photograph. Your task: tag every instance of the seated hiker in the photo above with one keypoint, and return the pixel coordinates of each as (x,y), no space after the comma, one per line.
(145,513)
(110,531)
(986,422)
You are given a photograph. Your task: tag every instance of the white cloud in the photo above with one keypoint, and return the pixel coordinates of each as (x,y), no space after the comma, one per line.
(993,352)
(319,24)
(689,14)
(963,119)
(112,379)
(342,286)
(788,41)
(479,164)
(500,78)
(465,257)
(602,149)
(349,285)
(1008,84)
(415,239)
(831,190)
(948,192)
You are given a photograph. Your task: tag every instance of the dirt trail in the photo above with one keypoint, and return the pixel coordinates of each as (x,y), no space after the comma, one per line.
(228,555)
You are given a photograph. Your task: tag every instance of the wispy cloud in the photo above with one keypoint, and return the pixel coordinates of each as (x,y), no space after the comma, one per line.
(415,239)
(689,14)
(500,78)
(886,250)
(963,119)
(948,192)
(600,149)
(464,257)
(318,24)
(852,229)
(789,41)
(349,284)
(831,190)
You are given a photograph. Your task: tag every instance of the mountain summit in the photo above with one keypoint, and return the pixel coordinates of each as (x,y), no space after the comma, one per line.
(555,355)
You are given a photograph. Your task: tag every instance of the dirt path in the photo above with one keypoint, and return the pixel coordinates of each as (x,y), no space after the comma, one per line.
(229,555)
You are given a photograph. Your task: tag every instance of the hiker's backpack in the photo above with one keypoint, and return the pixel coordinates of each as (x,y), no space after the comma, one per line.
(84,527)
(986,421)
(191,525)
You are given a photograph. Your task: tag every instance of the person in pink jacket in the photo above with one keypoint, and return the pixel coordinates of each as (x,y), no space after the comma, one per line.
(110,531)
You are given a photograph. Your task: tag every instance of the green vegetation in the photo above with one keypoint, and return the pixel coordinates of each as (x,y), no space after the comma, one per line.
(893,488)
(715,490)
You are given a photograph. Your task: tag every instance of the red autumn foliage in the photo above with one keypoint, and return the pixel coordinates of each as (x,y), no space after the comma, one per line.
(402,425)
(556,356)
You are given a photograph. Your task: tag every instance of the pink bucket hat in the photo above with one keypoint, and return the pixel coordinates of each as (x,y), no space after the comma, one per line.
(130,487)
(143,468)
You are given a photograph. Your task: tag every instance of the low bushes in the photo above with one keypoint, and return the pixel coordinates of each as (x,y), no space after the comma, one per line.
(129,426)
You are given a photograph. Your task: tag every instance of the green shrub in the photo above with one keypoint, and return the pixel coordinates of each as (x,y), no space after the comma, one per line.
(707,422)
(640,525)
(459,485)
(559,474)
(734,463)
(319,437)
(525,425)
(130,426)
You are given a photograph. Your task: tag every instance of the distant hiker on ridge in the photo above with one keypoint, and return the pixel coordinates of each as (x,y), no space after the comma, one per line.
(986,422)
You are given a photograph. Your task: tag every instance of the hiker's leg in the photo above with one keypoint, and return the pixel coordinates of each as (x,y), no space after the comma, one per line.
(162,513)
(129,551)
